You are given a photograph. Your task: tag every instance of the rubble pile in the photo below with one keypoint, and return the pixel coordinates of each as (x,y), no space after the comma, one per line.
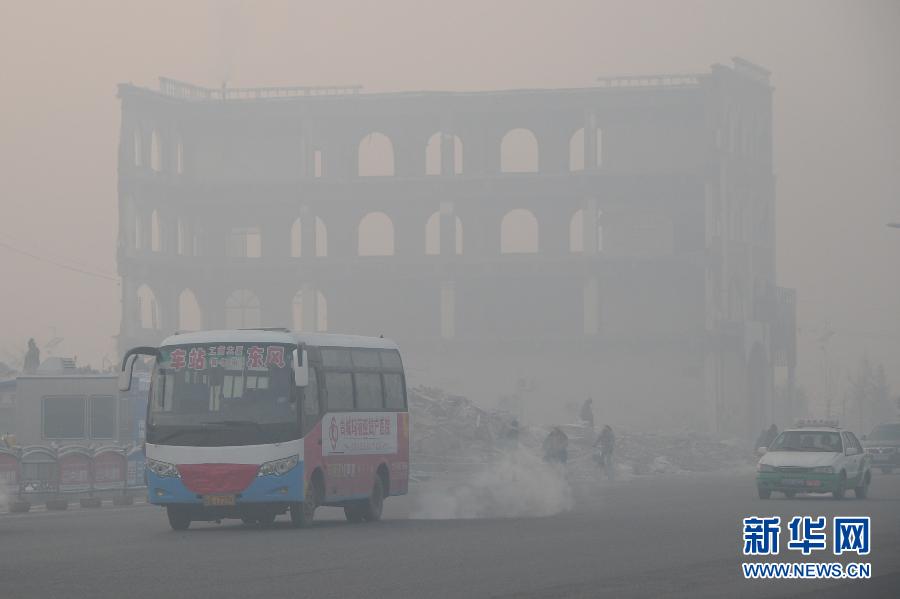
(650,453)
(450,429)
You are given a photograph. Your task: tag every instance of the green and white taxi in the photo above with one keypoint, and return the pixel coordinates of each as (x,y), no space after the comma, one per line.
(814,458)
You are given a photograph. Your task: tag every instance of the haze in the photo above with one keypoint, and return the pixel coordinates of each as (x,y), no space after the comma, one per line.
(837,126)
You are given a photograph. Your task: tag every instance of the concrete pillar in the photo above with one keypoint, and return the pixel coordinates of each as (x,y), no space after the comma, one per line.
(591,305)
(448,151)
(310,307)
(448,309)
(590,140)
(590,226)
(447,219)
(307,232)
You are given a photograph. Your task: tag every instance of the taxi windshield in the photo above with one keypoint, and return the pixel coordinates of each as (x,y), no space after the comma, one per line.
(825,441)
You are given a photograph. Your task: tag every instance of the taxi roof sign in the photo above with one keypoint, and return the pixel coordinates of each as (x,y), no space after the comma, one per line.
(822,422)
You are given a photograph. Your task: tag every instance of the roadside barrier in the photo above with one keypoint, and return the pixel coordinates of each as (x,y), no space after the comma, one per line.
(54,475)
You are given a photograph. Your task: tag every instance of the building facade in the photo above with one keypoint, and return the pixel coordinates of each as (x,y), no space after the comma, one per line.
(616,241)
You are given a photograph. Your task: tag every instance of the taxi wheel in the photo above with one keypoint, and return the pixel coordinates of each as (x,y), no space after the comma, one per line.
(862,491)
(763,493)
(179,518)
(841,487)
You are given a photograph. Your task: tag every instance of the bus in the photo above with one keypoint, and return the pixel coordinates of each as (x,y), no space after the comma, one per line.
(256,423)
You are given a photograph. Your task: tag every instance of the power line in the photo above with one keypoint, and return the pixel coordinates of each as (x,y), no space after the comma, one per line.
(57,263)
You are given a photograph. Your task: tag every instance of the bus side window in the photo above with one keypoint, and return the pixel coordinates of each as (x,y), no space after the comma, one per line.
(368,391)
(393,391)
(339,391)
(311,396)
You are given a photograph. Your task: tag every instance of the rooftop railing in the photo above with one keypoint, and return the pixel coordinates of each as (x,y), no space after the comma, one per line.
(629,81)
(188,91)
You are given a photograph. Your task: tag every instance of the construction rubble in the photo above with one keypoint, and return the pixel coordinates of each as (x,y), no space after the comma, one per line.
(449,433)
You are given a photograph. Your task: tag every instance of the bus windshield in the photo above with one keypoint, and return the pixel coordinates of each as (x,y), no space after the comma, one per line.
(223,395)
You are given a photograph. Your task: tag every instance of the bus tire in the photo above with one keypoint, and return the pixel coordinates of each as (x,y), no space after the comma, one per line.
(266,519)
(374,505)
(303,512)
(179,518)
(353,512)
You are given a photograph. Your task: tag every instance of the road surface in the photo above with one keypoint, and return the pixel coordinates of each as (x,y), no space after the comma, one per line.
(665,536)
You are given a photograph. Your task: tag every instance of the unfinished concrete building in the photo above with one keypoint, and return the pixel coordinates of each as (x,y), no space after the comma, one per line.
(616,240)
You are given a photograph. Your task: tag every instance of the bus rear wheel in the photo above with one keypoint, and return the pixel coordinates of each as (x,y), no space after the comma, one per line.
(374,505)
(179,518)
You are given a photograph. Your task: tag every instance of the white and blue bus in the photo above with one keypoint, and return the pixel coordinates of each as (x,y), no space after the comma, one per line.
(251,424)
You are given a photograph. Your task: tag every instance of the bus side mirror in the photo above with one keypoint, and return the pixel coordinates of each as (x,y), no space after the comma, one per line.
(301,368)
(128,365)
(126,374)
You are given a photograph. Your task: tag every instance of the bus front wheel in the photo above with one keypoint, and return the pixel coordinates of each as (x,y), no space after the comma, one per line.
(302,513)
(179,518)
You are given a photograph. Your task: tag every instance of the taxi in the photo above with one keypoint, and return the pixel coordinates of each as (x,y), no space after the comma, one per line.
(814,457)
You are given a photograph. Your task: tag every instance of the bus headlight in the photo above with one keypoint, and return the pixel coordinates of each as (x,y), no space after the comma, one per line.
(765,468)
(163,469)
(278,467)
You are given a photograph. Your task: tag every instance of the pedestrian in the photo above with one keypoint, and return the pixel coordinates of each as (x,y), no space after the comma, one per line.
(587,414)
(556,446)
(607,443)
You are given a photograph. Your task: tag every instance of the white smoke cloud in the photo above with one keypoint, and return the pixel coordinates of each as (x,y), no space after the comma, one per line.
(519,484)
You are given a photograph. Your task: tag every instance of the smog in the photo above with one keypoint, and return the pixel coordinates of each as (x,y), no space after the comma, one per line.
(519,484)
(449,299)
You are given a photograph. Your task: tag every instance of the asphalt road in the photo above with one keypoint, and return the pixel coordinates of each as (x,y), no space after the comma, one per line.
(674,536)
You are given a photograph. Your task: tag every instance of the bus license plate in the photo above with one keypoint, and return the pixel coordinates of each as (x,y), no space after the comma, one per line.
(218,500)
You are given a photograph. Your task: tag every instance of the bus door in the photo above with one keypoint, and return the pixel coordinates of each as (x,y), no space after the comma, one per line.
(337,459)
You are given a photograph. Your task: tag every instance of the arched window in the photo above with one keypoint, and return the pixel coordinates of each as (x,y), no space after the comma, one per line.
(519,152)
(321,312)
(433,235)
(179,158)
(376,156)
(190,317)
(147,308)
(155,151)
(138,233)
(519,232)
(245,242)
(242,310)
(376,235)
(296,239)
(321,238)
(433,156)
(318,312)
(576,150)
(576,232)
(137,150)
(155,232)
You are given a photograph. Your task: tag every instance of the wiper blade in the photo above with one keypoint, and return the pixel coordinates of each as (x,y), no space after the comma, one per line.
(172,435)
(232,423)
